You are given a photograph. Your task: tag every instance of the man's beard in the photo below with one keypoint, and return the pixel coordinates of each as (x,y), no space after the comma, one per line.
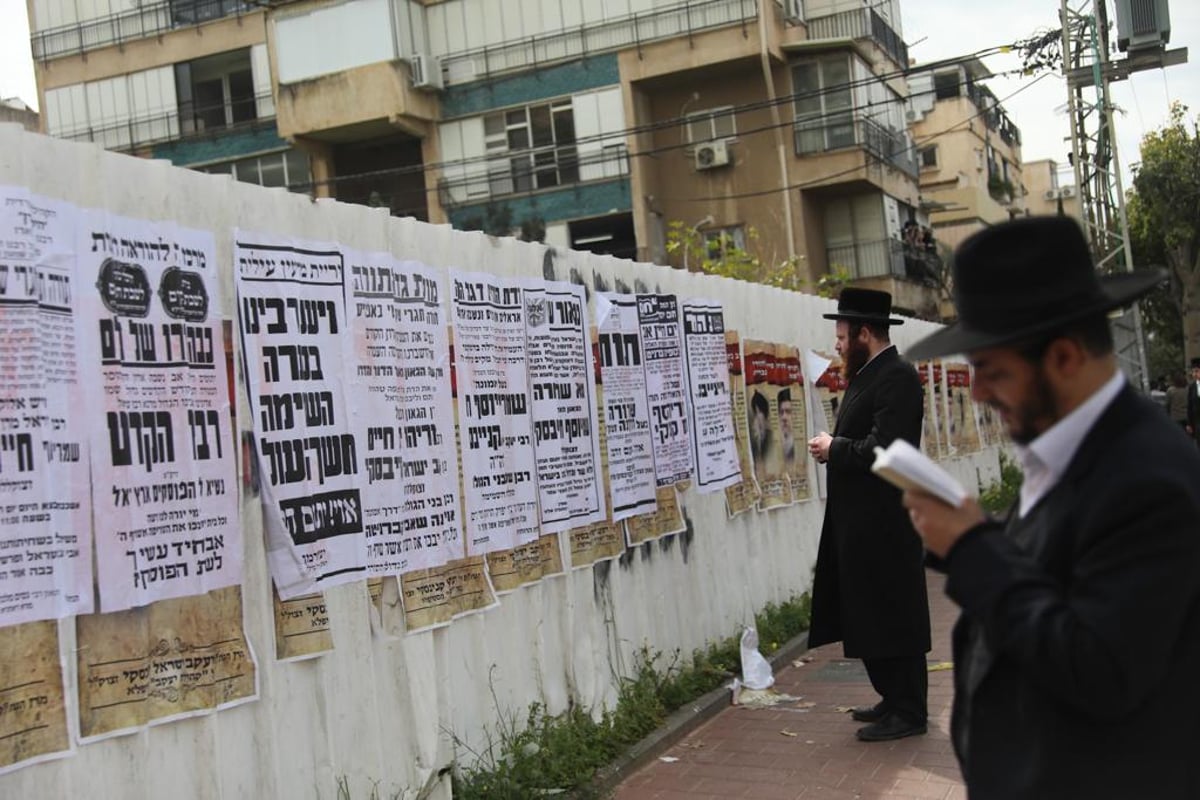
(1022,421)
(857,356)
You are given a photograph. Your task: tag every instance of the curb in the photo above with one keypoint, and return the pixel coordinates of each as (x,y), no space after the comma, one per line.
(680,723)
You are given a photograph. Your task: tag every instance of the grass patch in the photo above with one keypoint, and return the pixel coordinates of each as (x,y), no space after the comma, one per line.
(546,755)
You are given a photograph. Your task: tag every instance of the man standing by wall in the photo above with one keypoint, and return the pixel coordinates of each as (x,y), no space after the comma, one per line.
(869,589)
(1077,653)
(1193,401)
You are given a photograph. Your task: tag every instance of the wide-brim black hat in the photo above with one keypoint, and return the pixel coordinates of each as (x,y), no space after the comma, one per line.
(865,305)
(1023,279)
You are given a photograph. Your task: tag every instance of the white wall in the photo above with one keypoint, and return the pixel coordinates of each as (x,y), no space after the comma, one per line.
(378,710)
(333,38)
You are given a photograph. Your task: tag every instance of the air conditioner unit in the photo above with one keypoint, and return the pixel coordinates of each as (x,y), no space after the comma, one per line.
(1067,191)
(426,71)
(712,154)
(1050,194)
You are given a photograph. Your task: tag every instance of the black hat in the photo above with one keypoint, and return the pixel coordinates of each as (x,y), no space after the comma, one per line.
(1026,278)
(865,305)
(1196,363)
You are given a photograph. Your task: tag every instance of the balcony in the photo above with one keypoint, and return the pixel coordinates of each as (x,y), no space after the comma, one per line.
(887,258)
(633,30)
(169,125)
(147,19)
(854,129)
(861,23)
(528,171)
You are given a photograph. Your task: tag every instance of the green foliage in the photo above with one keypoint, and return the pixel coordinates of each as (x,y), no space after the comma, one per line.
(722,256)
(1164,227)
(564,752)
(1001,495)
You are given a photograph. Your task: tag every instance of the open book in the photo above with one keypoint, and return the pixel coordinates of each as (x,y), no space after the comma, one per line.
(905,466)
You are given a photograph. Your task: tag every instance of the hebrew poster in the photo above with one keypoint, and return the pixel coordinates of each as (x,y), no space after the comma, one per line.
(432,598)
(793,422)
(173,659)
(714,448)
(498,464)
(403,411)
(301,627)
(604,539)
(45,496)
(964,431)
(294,329)
(525,563)
(563,403)
(765,379)
(666,390)
(930,439)
(666,519)
(626,406)
(742,496)
(940,409)
(164,474)
(33,707)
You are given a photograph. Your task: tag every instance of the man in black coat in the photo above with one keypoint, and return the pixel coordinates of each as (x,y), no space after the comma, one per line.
(1193,401)
(869,589)
(1077,655)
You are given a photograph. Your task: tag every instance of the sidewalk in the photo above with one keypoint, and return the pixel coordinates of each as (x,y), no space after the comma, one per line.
(807,749)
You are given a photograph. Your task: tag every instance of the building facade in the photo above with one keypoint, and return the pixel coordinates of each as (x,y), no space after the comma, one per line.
(1051,189)
(776,125)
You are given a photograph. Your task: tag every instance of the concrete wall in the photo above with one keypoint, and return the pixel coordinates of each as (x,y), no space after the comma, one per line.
(380,711)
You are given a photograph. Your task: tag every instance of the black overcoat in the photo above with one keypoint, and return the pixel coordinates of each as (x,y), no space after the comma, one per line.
(869,587)
(1077,655)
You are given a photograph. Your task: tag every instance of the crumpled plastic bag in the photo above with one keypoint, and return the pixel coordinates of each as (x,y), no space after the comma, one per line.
(756,670)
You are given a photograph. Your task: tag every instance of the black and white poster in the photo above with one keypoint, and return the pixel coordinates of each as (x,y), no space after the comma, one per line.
(294,327)
(164,474)
(403,410)
(666,391)
(495,424)
(45,498)
(626,409)
(713,443)
(563,401)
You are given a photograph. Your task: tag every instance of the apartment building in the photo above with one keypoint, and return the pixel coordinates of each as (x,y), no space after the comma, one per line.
(13,109)
(593,124)
(1050,189)
(969,151)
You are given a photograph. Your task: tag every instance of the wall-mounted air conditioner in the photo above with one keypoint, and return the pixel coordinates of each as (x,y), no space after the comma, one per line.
(1067,191)
(426,71)
(712,154)
(1050,195)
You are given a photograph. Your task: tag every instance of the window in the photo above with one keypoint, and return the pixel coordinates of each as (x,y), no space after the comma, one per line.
(824,104)
(929,156)
(286,168)
(719,242)
(946,85)
(215,92)
(531,147)
(711,125)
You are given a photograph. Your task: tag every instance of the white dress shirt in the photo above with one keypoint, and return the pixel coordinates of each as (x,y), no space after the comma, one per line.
(1045,459)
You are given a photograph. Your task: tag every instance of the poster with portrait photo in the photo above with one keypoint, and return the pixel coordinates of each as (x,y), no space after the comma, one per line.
(743,496)
(793,423)
(766,376)
(964,431)
(931,443)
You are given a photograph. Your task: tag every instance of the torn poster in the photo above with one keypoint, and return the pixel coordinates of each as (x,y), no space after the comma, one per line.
(33,722)
(714,447)
(404,411)
(45,496)
(164,476)
(294,329)
(742,496)
(498,465)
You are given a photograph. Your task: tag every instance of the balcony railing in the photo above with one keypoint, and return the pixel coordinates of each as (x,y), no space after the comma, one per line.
(860,23)
(850,129)
(869,259)
(148,19)
(633,30)
(167,125)
(527,171)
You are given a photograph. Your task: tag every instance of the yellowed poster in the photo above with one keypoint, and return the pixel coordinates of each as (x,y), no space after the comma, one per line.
(527,563)
(941,430)
(930,439)
(433,597)
(171,659)
(742,496)
(605,539)
(964,432)
(301,627)
(33,711)
(667,520)
(793,425)
(765,377)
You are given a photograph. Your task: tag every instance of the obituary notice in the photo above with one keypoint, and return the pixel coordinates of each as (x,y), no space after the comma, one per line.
(714,446)
(658,318)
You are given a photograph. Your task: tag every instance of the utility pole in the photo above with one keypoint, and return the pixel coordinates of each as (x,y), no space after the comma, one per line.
(1089,70)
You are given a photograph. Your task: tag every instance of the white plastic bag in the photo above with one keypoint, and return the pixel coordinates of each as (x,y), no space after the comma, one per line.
(756,670)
